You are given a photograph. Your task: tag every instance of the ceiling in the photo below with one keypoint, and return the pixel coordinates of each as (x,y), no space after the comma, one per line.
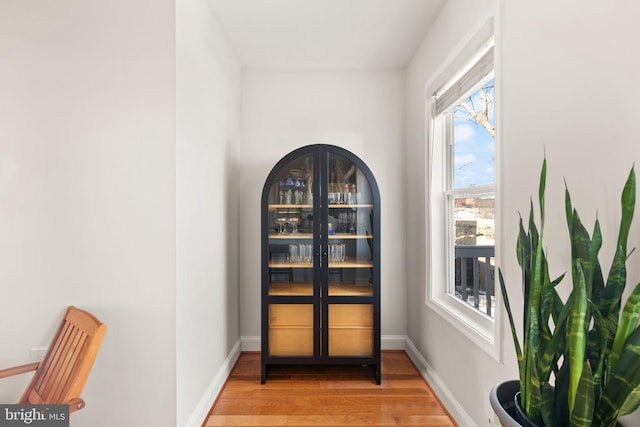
(325,33)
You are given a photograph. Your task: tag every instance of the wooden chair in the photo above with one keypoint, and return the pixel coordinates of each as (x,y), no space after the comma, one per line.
(60,377)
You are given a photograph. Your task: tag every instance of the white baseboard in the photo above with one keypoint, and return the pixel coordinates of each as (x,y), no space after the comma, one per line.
(439,387)
(206,402)
(251,343)
(393,342)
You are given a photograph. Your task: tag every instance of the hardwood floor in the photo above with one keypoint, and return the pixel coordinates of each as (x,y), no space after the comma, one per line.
(327,396)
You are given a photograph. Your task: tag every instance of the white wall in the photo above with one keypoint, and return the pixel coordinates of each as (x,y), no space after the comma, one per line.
(208,120)
(87,194)
(360,110)
(567,87)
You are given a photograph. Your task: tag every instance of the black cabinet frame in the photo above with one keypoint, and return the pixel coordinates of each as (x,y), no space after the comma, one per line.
(321,299)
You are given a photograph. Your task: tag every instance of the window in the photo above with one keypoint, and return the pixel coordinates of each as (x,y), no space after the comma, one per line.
(462,185)
(470,200)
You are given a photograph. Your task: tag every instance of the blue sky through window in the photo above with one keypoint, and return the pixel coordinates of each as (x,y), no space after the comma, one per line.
(473,145)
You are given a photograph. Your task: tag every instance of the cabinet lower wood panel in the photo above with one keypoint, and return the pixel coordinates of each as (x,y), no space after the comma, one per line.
(291,341)
(350,315)
(351,330)
(351,342)
(291,329)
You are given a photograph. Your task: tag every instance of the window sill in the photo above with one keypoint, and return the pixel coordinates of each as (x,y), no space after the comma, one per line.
(479,328)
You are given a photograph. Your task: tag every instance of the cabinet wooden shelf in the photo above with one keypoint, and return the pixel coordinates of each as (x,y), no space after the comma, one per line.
(306,289)
(285,264)
(295,236)
(325,310)
(291,288)
(339,236)
(345,264)
(309,236)
(360,289)
(350,206)
(282,206)
(330,206)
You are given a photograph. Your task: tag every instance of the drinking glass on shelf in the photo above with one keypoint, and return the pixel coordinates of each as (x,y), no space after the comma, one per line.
(337,252)
(281,225)
(294,224)
(293,253)
(302,250)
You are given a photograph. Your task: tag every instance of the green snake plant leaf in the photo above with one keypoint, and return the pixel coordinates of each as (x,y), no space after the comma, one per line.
(596,345)
(582,413)
(617,274)
(551,352)
(541,190)
(632,403)
(594,263)
(562,394)
(533,340)
(616,281)
(550,307)
(596,241)
(548,405)
(568,207)
(533,398)
(581,249)
(597,280)
(624,380)
(627,324)
(576,331)
(523,250)
(536,269)
(628,202)
(505,300)
(582,245)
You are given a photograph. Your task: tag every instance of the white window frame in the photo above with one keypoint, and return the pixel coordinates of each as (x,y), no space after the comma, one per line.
(480,328)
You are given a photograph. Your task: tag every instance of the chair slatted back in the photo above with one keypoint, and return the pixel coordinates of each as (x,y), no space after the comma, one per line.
(63,372)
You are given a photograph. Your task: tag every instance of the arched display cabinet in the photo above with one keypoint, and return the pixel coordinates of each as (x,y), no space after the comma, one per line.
(321,261)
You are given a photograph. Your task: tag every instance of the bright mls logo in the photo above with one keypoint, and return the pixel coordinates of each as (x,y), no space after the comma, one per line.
(34,415)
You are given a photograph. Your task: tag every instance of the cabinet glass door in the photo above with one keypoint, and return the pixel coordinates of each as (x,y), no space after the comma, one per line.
(350,229)
(350,266)
(290,229)
(291,259)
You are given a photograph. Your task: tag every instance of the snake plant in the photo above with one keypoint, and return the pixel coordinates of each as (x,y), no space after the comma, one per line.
(579,362)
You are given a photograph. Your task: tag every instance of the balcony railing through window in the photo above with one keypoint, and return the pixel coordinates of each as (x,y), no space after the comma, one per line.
(475,276)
